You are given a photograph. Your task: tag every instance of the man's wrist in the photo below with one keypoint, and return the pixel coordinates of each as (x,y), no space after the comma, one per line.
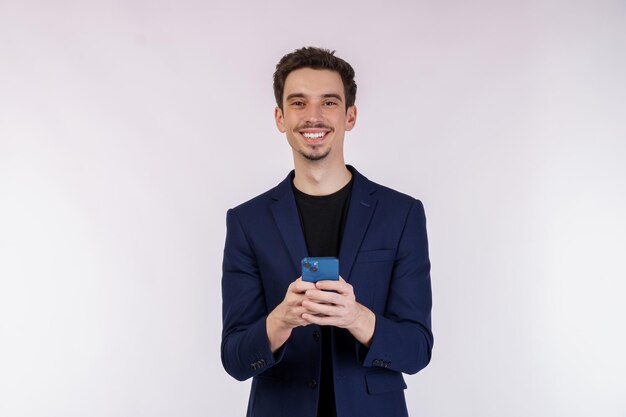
(364,326)
(277,332)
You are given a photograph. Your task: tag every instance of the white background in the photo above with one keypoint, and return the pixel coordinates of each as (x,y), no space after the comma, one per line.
(128,128)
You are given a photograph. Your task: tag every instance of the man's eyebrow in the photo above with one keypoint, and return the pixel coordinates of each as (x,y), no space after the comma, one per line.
(302,95)
(294,95)
(332,95)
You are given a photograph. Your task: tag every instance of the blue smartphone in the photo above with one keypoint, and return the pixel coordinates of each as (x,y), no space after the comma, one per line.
(318,269)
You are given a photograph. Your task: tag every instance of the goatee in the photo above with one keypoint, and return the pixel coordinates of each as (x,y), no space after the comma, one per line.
(315,157)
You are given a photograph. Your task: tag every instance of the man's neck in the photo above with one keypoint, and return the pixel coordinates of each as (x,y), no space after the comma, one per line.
(321,179)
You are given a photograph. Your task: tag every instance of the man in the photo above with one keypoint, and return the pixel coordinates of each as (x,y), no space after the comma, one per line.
(333,348)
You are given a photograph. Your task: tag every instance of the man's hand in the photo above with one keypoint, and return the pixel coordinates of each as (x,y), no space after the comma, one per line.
(339,309)
(288,314)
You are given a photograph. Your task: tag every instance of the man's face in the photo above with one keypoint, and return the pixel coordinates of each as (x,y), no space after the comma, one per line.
(314,115)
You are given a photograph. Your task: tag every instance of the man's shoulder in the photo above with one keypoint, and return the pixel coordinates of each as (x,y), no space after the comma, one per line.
(387,194)
(255,202)
(264,199)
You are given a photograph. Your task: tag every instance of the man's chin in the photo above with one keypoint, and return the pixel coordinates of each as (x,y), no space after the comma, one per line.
(315,156)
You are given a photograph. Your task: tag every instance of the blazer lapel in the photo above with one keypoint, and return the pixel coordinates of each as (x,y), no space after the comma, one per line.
(287,220)
(362,206)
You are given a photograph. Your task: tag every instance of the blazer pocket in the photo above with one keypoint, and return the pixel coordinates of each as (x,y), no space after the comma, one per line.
(381,255)
(383,382)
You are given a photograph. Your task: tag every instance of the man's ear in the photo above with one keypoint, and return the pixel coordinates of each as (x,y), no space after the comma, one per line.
(280,119)
(350,118)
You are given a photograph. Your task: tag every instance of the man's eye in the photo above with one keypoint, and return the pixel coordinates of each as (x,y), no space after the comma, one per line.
(330,103)
(297,103)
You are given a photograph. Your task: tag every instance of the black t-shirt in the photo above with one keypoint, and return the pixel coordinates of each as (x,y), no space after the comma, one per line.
(323,219)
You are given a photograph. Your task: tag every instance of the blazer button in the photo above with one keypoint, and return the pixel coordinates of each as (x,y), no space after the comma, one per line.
(312,383)
(316,335)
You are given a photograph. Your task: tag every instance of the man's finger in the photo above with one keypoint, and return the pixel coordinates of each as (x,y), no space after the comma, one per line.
(319,308)
(320,320)
(341,286)
(321,296)
(302,286)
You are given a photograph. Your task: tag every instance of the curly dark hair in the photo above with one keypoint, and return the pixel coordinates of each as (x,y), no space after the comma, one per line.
(315,58)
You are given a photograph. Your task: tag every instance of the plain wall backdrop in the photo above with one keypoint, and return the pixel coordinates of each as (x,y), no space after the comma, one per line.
(128,128)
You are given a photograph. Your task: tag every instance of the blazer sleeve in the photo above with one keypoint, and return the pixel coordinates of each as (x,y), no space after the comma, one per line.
(245,347)
(403,339)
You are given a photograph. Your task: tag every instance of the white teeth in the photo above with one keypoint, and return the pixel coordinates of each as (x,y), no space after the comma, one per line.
(313,135)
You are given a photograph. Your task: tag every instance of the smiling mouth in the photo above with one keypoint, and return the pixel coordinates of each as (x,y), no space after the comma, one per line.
(314,137)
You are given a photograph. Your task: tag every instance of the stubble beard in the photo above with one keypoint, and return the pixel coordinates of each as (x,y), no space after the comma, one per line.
(313,156)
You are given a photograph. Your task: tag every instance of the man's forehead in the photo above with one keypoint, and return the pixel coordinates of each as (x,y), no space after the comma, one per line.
(313,81)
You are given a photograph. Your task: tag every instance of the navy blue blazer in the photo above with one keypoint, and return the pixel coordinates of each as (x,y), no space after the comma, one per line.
(383,254)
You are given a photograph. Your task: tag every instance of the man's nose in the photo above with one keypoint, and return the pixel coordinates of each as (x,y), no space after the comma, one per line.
(314,113)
